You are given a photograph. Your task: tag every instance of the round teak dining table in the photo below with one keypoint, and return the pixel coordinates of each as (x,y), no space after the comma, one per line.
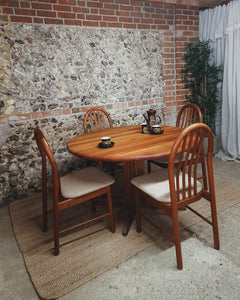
(131,146)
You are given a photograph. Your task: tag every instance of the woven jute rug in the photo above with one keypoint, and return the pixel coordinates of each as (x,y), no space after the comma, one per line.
(91,251)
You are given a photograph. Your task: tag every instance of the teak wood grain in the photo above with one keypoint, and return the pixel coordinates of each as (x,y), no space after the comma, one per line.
(129,144)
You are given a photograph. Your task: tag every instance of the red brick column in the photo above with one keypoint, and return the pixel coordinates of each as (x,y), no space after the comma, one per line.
(186,30)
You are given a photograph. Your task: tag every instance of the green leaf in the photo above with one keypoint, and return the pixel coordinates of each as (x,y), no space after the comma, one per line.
(201,77)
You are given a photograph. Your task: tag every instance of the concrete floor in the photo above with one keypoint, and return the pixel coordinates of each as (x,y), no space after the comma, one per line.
(151,274)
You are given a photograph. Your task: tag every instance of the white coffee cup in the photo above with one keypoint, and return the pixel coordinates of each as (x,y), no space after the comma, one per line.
(156,128)
(106,140)
(144,127)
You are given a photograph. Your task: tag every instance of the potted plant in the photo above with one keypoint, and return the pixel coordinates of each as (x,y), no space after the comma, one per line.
(201,77)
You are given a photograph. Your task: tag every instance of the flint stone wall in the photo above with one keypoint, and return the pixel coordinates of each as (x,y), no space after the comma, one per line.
(56,68)
(64,66)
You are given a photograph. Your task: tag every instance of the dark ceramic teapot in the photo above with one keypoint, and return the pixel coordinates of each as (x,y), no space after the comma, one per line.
(151,118)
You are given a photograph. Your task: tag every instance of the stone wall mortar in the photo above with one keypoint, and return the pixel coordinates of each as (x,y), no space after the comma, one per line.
(20,162)
(55,68)
(6,98)
(83,66)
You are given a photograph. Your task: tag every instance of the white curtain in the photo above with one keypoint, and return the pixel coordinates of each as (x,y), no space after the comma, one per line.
(221,26)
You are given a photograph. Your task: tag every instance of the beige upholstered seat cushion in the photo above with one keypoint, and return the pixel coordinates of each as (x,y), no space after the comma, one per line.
(156,184)
(84,181)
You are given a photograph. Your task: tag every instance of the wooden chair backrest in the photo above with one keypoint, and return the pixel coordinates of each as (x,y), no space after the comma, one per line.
(96,118)
(190,151)
(189,114)
(46,152)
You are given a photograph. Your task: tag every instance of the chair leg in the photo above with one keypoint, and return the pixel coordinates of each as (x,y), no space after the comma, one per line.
(44,208)
(177,239)
(112,169)
(110,208)
(93,206)
(56,232)
(137,208)
(215,224)
(149,166)
(100,164)
(44,198)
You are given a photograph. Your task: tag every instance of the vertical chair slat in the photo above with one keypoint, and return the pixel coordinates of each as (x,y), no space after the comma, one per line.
(99,123)
(103,120)
(97,118)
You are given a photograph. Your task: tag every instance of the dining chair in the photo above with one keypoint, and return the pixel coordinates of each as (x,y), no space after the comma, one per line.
(189,114)
(181,184)
(72,189)
(96,118)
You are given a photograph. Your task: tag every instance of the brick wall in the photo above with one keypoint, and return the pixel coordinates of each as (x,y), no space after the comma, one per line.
(105,13)
(176,25)
(186,30)
(179,24)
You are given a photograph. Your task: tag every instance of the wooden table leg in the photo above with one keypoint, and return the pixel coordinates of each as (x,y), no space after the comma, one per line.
(131,169)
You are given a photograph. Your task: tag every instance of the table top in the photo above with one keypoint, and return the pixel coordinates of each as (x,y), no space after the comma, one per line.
(130,144)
